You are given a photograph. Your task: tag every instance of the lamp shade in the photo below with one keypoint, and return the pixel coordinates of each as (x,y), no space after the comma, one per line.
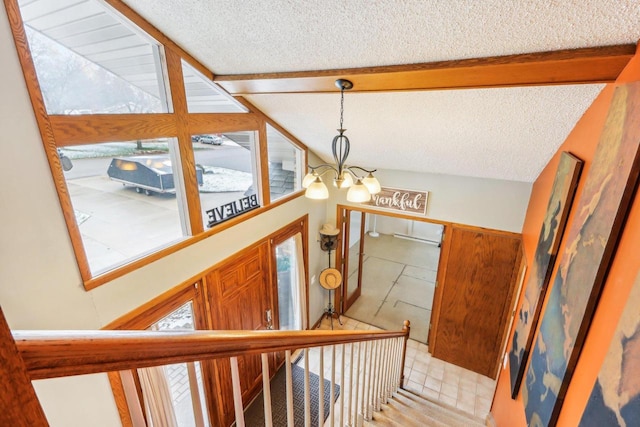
(372,184)
(308,179)
(317,190)
(358,193)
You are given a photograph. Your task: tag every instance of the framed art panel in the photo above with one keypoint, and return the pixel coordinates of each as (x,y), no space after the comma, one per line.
(591,240)
(615,399)
(562,192)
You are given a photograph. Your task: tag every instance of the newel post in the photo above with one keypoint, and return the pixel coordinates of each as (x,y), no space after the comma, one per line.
(406,328)
(19,405)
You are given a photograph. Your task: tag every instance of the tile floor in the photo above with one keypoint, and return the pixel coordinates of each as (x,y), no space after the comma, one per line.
(398,283)
(424,374)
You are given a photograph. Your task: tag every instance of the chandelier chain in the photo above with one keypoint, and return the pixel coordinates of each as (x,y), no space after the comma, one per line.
(341,106)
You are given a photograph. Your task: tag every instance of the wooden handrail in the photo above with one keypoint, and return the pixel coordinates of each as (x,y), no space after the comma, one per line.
(51,354)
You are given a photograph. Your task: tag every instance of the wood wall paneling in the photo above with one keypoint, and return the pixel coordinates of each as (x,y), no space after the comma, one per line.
(476,291)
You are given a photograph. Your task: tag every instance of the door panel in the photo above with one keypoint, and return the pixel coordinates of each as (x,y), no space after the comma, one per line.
(240,295)
(476,289)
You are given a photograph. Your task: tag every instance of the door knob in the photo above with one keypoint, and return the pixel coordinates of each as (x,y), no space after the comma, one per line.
(269,319)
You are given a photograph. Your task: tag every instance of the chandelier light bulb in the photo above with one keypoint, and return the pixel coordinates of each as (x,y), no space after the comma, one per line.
(317,190)
(309,179)
(358,193)
(372,184)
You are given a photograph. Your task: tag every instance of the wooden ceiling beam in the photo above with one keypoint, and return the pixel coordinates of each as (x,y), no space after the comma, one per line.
(561,67)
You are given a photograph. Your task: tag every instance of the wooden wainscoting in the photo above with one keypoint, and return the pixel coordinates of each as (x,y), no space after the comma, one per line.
(474,296)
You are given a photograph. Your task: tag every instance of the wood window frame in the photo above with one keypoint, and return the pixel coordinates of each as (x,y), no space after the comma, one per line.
(301,225)
(144,317)
(61,131)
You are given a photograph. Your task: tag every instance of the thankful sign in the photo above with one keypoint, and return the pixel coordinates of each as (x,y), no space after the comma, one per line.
(400,200)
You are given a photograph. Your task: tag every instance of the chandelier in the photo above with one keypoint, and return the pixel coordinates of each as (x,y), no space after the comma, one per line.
(343,175)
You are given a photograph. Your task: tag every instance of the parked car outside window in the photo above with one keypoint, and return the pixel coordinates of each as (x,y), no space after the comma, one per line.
(210,139)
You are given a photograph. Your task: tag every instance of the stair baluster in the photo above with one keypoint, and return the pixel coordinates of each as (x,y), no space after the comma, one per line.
(290,419)
(321,389)
(266,390)
(371,382)
(237,392)
(342,386)
(307,390)
(354,420)
(332,398)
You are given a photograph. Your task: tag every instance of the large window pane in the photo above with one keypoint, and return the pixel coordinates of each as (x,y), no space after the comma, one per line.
(285,160)
(124,198)
(88,61)
(229,176)
(203,96)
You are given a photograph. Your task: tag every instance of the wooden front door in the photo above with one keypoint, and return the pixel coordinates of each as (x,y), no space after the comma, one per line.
(473,298)
(240,295)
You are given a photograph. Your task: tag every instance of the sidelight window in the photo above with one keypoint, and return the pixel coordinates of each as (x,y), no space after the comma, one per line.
(174,394)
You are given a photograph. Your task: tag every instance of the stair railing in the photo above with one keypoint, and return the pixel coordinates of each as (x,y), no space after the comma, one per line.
(375,371)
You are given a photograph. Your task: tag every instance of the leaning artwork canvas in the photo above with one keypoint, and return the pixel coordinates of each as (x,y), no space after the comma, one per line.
(590,242)
(615,399)
(562,191)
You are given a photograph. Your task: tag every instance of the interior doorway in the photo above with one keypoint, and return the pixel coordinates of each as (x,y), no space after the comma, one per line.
(390,266)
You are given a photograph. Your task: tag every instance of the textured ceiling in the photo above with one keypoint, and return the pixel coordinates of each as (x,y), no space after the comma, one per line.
(498,133)
(485,133)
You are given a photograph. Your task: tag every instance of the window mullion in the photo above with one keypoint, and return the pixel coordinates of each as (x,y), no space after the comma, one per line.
(187,159)
(263,166)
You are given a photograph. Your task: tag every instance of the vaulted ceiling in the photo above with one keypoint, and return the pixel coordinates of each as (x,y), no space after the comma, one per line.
(504,121)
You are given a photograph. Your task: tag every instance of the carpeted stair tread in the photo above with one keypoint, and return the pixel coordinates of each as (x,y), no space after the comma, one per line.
(395,414)
(424,403)
(408,409)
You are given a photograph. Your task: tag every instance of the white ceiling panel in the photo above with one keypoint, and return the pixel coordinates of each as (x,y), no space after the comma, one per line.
(496,133)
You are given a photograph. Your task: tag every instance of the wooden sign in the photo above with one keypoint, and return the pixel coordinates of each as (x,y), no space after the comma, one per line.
(407,201)
(233,209)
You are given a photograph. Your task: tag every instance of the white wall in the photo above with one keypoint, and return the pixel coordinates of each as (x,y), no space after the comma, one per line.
(40,286)
(480,202)
(414,228)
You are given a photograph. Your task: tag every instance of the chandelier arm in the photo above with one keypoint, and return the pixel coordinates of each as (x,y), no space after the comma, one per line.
(325,168)
(362,169)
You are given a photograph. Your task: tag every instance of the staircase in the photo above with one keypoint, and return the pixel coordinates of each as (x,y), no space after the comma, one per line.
(366,365)
(406,409)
